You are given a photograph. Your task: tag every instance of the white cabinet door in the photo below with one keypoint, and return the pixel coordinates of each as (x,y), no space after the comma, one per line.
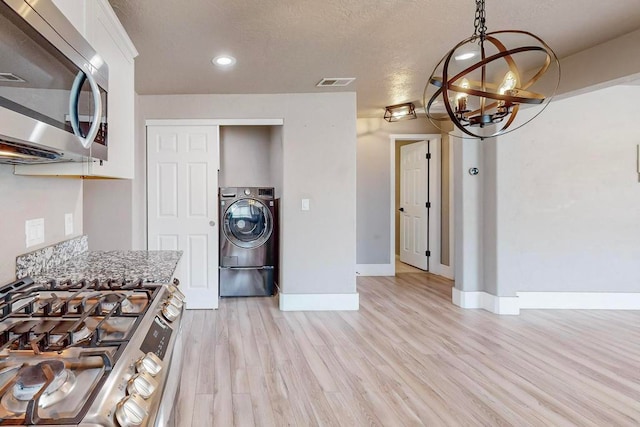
(182,211)
(109,40)
(413,200)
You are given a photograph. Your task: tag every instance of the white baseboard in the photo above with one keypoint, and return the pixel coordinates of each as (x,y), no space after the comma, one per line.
(547,300)
(376,269)
(580,300)
(486,301)
(319,302)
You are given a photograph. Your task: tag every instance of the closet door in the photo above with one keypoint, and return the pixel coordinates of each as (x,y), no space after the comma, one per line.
(182,208)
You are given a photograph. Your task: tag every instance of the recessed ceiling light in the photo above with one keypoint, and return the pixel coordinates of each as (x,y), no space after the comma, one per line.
(224,60)
(464,56)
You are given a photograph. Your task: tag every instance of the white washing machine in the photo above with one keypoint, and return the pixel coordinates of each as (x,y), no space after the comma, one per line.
(248,237)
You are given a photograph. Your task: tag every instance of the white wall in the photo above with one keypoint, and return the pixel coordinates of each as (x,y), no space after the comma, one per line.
(139,185)
(318,162)
(568,201)
(26,197)
(468,215)
(551,209)
(600,66)
(245,157)
(108,214)
(373,184)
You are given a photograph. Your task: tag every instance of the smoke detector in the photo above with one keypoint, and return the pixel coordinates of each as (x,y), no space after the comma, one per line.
(335,81)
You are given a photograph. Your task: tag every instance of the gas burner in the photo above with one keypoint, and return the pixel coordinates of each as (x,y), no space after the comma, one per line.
(81,333)
(31,379)
(110,301)
(67,350)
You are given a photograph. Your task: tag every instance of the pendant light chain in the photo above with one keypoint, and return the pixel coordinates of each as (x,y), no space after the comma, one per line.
(480,23)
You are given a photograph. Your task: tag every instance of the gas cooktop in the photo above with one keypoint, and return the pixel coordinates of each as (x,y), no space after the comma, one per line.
(85,351)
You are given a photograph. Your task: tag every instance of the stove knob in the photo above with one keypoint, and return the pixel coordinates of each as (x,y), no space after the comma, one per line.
(142,384)
(131,411)
(170,312)
(175,301)
(175,292)
(150,363)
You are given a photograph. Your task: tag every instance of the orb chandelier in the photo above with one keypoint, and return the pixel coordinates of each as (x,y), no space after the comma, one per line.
(487,79)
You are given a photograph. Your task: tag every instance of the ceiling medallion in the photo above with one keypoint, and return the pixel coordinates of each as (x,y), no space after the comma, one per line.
(487,79)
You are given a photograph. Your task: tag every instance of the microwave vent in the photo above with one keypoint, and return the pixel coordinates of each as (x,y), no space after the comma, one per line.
(11,78)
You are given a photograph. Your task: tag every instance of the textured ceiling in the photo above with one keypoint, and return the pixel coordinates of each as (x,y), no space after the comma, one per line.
(390,46)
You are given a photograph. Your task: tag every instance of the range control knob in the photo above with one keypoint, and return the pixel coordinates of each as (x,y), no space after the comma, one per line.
(175,292)
(170,312)
(175,301)
(142,384)
(131,411)
(150,363)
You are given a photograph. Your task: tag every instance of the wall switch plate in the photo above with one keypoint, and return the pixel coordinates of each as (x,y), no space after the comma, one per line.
(305,204)
(34,231)
(68,224)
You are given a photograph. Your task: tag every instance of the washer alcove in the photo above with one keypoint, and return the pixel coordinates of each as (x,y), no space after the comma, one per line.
(251,156)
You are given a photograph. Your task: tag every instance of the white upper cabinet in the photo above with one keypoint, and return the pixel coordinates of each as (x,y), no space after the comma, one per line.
(75,11)
(106,35)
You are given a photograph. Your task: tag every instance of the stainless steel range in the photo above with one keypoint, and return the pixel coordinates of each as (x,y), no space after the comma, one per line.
(89,353)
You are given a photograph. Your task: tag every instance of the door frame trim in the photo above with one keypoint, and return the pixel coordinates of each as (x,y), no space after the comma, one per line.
(392,209)
(214,122)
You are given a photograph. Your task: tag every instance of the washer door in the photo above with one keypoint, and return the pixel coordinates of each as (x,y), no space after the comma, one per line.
(247,223)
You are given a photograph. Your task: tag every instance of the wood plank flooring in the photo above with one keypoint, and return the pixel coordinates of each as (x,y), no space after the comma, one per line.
(408,358)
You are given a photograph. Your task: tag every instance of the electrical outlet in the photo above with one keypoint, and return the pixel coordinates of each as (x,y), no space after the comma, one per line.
(34,231)
(68,224)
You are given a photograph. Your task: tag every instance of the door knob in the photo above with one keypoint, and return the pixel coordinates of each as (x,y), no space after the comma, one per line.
(401,209)
(212,223)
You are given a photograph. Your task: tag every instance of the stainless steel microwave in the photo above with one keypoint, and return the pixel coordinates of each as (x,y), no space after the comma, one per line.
(53,88)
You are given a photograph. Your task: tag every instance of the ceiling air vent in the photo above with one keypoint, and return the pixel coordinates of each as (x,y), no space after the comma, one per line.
(335,82)
(8,77)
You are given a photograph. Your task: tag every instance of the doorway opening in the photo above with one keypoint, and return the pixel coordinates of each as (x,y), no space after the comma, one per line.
(422,209)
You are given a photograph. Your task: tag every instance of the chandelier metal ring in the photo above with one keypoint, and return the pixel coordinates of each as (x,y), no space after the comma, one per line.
(478,101)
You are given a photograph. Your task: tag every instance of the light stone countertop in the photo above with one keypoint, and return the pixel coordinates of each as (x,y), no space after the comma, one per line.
(150,266)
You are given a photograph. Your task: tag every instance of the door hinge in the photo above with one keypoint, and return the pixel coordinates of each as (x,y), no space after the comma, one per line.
(428,205)
(427,253)
(428,155)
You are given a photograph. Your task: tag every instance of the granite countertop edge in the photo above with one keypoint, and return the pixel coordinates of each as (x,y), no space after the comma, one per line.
(130,265)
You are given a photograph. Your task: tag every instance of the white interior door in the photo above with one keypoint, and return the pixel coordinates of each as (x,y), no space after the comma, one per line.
(182,208)
(413,205)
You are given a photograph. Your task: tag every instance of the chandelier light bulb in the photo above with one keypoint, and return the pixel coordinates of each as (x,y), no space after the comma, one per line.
(508,83)
(461,98)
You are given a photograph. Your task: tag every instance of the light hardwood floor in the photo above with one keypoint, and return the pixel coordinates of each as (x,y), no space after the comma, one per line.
(409,357)
(401,267)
